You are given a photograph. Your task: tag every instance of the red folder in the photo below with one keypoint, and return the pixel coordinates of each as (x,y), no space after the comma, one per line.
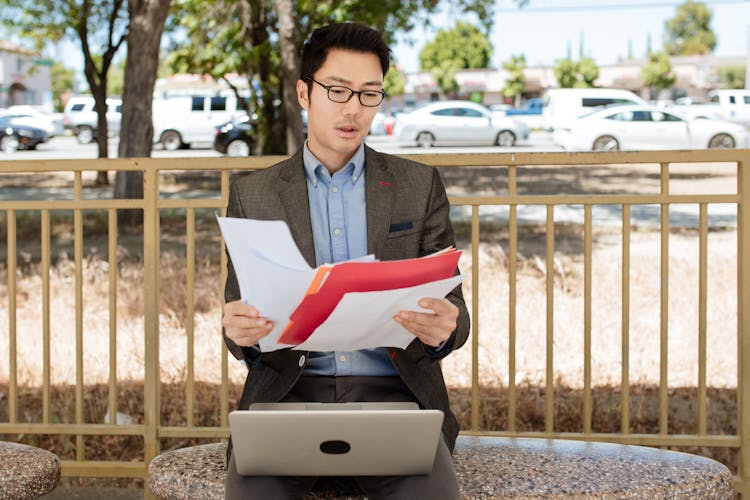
(345,277)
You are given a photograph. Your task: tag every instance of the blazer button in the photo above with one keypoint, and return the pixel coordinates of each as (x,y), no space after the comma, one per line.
(302,360)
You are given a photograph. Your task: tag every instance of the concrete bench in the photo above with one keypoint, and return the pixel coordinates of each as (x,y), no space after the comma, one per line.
(26,471)
(490,467)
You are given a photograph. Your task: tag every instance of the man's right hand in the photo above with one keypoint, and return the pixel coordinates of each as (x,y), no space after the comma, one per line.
(243,325)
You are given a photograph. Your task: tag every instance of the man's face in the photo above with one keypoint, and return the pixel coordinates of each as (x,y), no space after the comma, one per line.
(335,130)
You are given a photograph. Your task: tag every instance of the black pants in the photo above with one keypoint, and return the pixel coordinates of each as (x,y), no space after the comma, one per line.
(441,483)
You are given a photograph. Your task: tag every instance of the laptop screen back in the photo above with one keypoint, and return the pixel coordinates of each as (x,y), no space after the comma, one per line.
(335,439)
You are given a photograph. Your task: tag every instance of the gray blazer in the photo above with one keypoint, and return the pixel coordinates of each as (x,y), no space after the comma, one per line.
(407,216)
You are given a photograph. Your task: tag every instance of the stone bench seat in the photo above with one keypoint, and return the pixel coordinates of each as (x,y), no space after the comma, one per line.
(493,467)
(26,471)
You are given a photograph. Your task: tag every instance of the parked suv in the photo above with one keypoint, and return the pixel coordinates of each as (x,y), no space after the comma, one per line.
(80,117)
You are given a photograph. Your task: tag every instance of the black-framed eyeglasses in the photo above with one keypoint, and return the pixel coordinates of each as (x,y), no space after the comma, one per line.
(341,94)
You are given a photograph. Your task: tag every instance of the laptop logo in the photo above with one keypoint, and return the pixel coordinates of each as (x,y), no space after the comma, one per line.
(335,447)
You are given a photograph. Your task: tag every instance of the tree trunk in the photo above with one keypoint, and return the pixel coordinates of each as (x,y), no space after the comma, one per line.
(147,19)
(100,99)
(290,74)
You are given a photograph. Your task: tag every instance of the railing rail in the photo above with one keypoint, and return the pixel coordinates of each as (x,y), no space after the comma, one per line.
(153,204)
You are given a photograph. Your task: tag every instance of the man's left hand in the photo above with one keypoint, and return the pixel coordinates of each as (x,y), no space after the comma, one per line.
(431,329)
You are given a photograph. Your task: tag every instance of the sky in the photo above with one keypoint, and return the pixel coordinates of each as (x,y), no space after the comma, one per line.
(545,29)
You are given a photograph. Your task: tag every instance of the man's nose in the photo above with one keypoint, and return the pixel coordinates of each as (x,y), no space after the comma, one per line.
(353,107)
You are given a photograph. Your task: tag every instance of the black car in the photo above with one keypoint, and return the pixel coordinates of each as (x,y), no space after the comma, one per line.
(14,136)
(235,138)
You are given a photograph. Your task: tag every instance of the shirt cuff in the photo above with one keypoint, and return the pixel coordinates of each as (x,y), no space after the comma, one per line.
(441,350)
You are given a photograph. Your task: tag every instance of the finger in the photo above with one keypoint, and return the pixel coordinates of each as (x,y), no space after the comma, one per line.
(427,333)
(239,308)
(248,336)
(428,320)
(439,306)
(244,322)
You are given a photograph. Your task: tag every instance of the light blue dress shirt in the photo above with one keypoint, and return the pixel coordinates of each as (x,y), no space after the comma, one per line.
(339,226)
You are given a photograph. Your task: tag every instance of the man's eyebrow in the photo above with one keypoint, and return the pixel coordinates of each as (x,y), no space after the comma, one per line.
(349,82)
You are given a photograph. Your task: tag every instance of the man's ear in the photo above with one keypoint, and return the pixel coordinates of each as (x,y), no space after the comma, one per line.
(302,96)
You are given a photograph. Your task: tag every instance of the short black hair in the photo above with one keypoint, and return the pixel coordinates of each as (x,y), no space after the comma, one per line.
(356,37)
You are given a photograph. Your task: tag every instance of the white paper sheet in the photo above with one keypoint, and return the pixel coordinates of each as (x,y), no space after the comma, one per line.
(270,238)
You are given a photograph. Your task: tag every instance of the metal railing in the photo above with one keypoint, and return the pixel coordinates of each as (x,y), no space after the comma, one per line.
(153,205)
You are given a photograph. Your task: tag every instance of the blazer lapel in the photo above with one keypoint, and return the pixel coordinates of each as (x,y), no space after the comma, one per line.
(379,195)
(294,198)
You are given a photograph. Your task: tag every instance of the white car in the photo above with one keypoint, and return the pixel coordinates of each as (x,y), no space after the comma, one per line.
(457,123)
(643,127)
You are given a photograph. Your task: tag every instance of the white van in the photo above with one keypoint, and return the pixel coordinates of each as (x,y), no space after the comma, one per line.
(183,120)
(80,116)
(562,106)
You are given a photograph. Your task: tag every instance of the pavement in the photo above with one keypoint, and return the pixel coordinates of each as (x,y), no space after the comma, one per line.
(70,492)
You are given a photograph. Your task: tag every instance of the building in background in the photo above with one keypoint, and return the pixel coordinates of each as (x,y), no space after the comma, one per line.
(25,77)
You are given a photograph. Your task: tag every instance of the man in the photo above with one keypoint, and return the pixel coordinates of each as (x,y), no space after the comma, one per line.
(343,200)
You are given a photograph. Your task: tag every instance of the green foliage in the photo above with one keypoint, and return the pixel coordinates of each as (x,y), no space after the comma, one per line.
(588,72)
(733,76)
(657,73)
(463,47)
(516,82)
(566,73)
(61,79)
(572,74)
(394,82)
(101,22)
(689,31)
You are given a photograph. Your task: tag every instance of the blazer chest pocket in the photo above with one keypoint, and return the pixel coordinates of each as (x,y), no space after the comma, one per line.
(404,240)
(404,229)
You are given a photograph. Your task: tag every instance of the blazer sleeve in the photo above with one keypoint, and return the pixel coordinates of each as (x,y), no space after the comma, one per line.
(438,234)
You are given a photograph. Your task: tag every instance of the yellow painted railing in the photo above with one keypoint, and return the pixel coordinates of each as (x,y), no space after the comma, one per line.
(154,204)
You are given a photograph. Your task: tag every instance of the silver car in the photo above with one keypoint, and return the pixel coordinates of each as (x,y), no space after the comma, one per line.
(457,123)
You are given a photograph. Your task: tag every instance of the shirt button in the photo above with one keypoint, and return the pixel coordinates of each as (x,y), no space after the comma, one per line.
(335,189)
(342,358)
(302,360)
(337,231)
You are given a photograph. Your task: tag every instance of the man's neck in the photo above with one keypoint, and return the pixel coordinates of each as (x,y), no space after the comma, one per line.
(333,161)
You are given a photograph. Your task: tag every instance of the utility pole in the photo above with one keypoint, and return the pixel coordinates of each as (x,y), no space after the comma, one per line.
(747,60)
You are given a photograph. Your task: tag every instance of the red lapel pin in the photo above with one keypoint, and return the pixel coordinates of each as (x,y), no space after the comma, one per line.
(385,184)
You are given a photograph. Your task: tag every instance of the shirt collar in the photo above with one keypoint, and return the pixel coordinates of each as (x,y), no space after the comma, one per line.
(357,164)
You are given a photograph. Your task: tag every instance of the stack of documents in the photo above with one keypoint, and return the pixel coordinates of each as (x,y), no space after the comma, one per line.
(344,306)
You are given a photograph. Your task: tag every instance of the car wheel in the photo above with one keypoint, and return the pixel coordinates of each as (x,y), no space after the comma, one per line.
(85,135)
(238,147)
(425,140)
(9,144)
(505,138)
(171,140)
(606,143)
(723,141)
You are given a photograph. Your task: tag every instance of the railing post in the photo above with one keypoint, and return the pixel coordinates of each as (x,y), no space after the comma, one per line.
(743,327)
(151,314)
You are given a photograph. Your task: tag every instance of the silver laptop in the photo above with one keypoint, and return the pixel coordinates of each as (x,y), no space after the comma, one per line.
(335,439)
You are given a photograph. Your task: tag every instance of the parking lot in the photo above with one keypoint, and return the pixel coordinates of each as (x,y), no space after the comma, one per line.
(66,147)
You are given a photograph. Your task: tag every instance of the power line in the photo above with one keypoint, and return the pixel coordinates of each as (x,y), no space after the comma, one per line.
(601,8)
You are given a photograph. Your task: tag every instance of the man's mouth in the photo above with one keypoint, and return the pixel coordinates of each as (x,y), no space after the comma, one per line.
(347,129)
